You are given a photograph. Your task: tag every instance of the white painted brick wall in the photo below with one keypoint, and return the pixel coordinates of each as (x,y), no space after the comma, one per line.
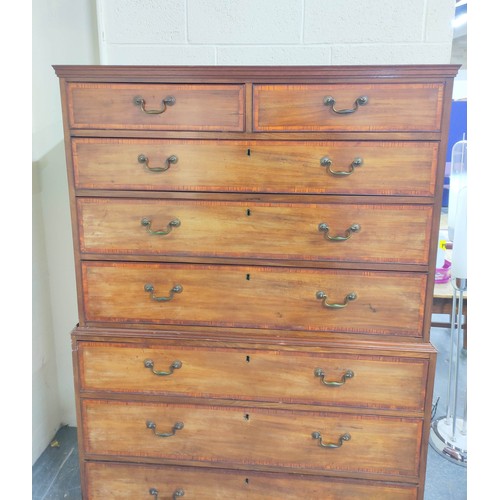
(363,21)
(145,21)
(275,32)
(263,22)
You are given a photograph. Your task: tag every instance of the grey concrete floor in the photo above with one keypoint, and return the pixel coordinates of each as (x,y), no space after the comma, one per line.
(55,475)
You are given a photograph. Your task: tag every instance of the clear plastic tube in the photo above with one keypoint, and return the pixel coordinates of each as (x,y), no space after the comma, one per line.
(458,180)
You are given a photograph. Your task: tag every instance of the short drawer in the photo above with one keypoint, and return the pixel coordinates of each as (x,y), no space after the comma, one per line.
(238,436)
(155,106)
(136,482)
(358,107)
(341,167)
(371,302)
(287,231)
(396,382)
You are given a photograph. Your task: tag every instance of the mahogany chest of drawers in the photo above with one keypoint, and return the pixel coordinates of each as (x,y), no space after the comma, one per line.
(255,256)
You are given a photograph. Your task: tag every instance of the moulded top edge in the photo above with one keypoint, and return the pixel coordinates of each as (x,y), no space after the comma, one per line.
(239,73)
(189,335)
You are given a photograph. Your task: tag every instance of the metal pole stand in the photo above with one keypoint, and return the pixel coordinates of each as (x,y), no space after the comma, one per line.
(448,435)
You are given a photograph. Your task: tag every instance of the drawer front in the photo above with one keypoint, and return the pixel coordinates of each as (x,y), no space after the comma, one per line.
(126,481)
(389,107)
(362,381)
(156,107)
(255,297)
(327,232)
(374,168)
(241,436)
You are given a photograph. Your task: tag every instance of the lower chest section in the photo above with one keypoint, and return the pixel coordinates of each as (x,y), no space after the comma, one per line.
(228,419)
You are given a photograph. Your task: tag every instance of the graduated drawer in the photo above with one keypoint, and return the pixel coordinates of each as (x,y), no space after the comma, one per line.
(341,167)
(239,436)
(371,302)
(394,382)
(314,232)
(156,106)
(130,481)
(379,107)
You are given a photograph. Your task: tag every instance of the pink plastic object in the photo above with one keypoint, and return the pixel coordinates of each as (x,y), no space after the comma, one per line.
(443,274)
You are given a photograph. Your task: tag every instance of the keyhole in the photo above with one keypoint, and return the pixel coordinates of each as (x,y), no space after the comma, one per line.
(248,277)
(247,480)
(246,416)
(249,212)
(248,359)
(248,152)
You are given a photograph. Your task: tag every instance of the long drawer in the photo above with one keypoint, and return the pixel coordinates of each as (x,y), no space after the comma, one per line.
(388,303)
(383,107)
(340,167)
(135,482)
(320,232)
(239,436)
(156,106)
(396,382)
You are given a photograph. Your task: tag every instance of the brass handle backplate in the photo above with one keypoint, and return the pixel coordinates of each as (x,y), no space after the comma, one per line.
(321,374)
(168,101)
(176,427)
(146,222)
(149,363)
(144,160)
(324,228)
(148,287)
(327,162)
(177,493)
(344,437)
(348,298)
(360,101)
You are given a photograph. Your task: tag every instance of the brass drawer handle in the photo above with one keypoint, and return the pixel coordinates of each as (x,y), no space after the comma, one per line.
(147,224)
(149,363)
(148,287)
(177,493)
(344,437)
(168,101)
(348,298)
(324,228)
(360,101)
(346,376)
(144,160)
(327,162)
(176,427)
